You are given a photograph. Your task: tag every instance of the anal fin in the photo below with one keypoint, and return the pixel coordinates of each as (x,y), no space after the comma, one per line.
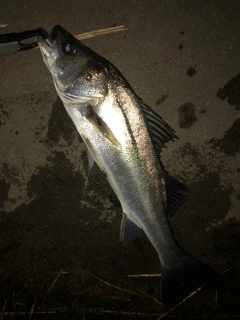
(129,231)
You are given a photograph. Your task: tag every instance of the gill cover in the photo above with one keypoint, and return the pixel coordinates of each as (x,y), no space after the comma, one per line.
(77,76)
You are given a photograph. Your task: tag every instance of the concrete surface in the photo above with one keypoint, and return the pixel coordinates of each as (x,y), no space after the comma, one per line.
(182,58)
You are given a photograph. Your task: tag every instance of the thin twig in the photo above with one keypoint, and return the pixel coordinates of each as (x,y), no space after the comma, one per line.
(109,284)
(73,305)
(32,309)
(230,268)
(53,273)
(146,294)
(26,307)
(96,33)
(52,285)
(145,275)
(100,32)
(4,307)
(124,313)
(216,299)
(11,313)
(188,297)
(14,302)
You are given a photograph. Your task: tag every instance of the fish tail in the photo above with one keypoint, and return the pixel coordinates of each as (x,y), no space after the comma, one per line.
(179,281)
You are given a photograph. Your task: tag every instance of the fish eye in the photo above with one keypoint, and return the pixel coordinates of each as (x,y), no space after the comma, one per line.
(69,47)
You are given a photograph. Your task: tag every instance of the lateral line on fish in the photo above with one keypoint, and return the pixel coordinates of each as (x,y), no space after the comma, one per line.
(124,113)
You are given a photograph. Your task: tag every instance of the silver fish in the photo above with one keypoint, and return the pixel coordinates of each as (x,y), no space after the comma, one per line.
(125,137)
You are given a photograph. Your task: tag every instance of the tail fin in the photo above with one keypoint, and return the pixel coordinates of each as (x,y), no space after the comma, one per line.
(179,281)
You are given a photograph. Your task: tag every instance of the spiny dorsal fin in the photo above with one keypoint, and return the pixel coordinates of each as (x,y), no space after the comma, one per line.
(160,132)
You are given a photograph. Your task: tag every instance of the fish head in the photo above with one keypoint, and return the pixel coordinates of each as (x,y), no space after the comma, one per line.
(77,76)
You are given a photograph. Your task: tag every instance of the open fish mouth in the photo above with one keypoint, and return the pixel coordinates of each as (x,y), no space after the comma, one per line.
(49,51)
(46,42)
(45,46)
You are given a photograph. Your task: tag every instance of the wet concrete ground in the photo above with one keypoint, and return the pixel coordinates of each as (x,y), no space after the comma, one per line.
(59,247)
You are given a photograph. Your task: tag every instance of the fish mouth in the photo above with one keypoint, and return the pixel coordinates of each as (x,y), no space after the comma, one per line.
(46,45)
(48,48)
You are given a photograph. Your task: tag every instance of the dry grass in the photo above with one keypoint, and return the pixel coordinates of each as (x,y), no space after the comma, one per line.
(34,309)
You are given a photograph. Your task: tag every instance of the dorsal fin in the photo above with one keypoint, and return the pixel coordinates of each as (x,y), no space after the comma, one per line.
(160,132)
(176,194)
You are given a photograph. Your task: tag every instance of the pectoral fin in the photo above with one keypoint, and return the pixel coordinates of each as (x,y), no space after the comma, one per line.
(101,127)
(90,160)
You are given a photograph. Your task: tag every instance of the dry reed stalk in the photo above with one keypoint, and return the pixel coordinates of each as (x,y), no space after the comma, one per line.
(99,32)
(52,285)
(109,284)
(145,275)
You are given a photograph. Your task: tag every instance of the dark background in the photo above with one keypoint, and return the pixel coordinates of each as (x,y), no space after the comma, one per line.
(60,255)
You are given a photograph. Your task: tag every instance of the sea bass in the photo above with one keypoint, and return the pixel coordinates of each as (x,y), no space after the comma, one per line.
(125,138)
